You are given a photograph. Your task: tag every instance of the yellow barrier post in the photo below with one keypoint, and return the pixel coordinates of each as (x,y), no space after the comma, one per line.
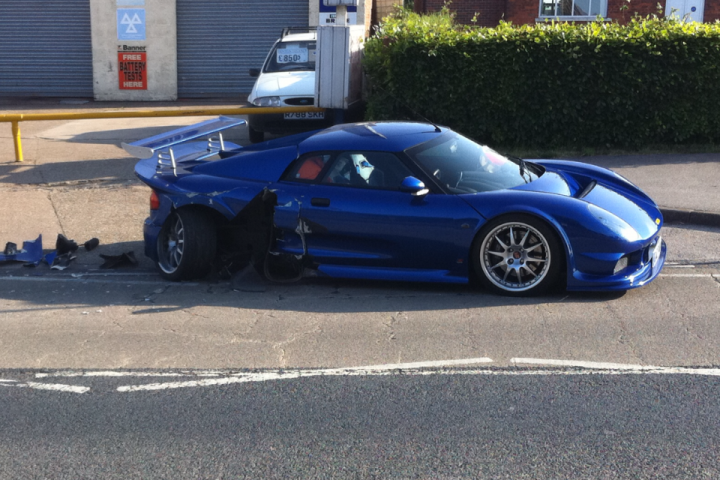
(14,119)
(18,143)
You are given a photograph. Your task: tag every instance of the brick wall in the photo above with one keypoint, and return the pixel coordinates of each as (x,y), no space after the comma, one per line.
(383,8)
(642,7)
(489,12)
(521,12)
(712,11)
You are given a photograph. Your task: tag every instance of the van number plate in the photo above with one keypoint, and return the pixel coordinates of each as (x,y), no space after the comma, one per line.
(305,116)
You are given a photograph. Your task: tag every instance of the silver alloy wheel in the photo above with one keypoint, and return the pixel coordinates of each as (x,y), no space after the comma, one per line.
(171,244)
(515,257)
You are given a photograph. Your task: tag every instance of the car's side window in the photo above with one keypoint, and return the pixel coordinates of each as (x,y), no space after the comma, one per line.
(379,170)
(308,168)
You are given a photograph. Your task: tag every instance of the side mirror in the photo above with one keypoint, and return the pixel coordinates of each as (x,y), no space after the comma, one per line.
(254,72)
(414,186)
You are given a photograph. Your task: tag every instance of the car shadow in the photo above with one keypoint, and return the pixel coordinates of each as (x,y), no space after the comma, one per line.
(145,292)
(108,171)
(118,136)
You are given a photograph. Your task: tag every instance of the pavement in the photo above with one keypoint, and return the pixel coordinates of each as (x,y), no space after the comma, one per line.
(76,180)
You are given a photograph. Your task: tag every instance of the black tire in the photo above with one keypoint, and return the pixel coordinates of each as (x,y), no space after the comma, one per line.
(256,136)
(186,246)
(518,255)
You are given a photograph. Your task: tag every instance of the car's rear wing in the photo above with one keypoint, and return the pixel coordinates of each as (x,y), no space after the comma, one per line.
(167,146)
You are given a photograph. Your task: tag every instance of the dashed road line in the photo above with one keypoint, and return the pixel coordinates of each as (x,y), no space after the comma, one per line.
(211,378)
(109,373)
(374,370)
(615,367)
(56,387)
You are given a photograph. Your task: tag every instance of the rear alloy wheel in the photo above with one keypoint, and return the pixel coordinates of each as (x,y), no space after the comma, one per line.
(517,256)
(256,136)
(186,246)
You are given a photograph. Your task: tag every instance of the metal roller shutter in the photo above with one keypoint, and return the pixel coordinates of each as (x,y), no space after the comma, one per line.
(45,48)
(219,40)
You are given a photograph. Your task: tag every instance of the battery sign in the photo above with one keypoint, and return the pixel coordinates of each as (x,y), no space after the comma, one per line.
(132,70)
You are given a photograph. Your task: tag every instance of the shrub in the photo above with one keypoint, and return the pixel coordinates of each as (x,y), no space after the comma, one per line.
(653,80)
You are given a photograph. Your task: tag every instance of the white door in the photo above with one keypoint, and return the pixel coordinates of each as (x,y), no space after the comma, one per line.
(691,10)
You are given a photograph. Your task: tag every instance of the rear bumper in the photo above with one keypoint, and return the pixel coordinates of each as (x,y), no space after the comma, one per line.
(622,281)
(150,235)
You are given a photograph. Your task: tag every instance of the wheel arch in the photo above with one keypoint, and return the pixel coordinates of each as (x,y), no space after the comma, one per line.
(218,218)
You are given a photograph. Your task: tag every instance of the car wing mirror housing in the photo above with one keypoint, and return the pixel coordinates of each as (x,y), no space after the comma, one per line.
(254,72)
(414,186)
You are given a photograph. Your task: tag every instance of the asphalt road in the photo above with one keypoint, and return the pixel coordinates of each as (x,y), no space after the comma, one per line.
(84,317)
(121,375)
(508,423)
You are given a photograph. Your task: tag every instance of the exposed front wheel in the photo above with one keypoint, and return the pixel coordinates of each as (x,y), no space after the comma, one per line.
(518,256)
(186,246)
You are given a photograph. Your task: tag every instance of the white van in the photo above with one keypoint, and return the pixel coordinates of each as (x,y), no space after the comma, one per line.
(287,79)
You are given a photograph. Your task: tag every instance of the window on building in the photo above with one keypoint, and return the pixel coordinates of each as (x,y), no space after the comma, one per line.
(573,8)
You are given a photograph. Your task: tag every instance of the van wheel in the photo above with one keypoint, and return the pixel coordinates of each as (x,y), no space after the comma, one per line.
(256,136)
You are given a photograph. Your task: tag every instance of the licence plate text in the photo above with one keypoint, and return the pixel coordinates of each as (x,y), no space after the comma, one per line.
(305,116)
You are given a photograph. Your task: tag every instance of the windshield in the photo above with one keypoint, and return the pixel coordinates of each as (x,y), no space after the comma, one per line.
(287,56)
(463,166)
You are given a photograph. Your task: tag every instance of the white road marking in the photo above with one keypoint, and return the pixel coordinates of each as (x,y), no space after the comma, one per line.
(46,386)
(128,374)
(442,367)
(58,387)
(688,275)
(607,369)
(576,363)
(616,367)
(388,369)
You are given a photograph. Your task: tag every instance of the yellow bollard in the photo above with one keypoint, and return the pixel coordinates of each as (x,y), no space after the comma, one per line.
(18,143)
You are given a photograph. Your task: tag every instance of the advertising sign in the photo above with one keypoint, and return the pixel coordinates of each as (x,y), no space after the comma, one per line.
(131,23)
(132,70)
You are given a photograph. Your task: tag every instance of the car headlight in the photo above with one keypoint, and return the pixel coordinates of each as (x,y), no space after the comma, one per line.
(614,223)
(267,102)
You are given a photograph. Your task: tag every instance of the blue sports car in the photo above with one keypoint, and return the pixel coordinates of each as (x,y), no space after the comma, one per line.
(392,201)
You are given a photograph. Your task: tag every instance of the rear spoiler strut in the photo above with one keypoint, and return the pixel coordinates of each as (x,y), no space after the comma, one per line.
(163,144)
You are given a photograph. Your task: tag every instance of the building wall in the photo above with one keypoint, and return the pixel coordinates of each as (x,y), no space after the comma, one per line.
(488,13)
(383,8)
(712,10)
(159,46)
(521,12)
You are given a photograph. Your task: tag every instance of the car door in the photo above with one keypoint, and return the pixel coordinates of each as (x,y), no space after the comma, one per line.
(350,212)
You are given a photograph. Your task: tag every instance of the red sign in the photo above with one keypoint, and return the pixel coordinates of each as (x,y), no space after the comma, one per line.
(132,70)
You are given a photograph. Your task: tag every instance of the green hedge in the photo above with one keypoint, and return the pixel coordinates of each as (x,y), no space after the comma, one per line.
(651,81)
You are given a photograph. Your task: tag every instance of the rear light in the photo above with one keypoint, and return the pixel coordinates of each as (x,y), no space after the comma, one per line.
(154,201)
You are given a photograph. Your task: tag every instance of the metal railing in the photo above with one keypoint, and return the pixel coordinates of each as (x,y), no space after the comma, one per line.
(15,118)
